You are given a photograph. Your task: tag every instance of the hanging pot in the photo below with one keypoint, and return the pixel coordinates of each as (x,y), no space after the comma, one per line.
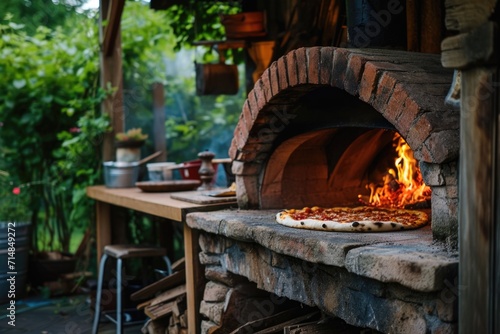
(242,25)
(216,79)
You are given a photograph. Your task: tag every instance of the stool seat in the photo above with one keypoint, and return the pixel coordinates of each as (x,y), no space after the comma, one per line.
(130,251)
(120,252)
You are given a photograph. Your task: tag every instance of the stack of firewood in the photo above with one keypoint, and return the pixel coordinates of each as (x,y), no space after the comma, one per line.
(165,303)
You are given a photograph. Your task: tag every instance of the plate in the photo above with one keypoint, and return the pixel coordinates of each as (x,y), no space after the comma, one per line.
(168,186)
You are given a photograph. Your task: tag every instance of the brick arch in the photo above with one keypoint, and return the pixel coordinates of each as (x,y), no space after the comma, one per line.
(407,89)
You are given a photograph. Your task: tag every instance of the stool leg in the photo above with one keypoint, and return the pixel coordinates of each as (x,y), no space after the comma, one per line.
(97,308)
(119,306)
(169,265)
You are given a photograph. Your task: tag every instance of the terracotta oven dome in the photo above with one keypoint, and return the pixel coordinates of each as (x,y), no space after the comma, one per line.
(319,123)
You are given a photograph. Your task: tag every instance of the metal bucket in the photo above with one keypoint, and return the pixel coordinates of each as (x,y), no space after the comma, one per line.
(13,286)
(120,174)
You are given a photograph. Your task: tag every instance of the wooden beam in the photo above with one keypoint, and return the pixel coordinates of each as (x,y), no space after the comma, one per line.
(159,121)
(195,281)
(111,76)
(474,52)
(113,19)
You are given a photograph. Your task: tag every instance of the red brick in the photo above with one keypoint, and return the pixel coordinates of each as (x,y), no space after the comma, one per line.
(340,61)
(326,65)
(419,131)
(372,73)
(301,62)
(409,113)
(291,67)
(314,65)
(265,86)
(282,73)
(247,118)
(353,74)
(240,136)
(422,153)
(368,82)
(273,78)
(385,88)
(252,99)
(395,106)
(233,151)
(444,145)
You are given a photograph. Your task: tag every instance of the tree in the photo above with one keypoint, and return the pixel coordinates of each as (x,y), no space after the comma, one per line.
(35,13)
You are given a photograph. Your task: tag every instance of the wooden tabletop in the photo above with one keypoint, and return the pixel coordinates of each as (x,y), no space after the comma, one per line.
(156,203)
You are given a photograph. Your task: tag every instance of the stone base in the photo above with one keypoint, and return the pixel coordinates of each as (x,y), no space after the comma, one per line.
(391,282)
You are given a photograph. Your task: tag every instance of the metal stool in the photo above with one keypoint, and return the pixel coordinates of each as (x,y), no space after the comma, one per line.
(120,252)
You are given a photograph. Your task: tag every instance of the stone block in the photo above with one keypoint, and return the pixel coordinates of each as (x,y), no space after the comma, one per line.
(212,244)
(212,311)
(218,274)
(215,292)
(444,145)
(207,259)
(432,174)
(444,215)
(416,270)
(447,309)
(206,326)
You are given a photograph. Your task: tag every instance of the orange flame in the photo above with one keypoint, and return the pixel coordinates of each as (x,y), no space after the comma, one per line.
(401,186)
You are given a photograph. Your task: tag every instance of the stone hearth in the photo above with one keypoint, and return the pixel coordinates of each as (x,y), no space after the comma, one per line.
(395,282)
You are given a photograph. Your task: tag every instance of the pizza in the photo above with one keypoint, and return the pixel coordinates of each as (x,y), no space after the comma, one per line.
(357,219)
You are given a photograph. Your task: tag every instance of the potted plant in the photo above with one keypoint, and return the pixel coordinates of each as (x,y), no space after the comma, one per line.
(128,145)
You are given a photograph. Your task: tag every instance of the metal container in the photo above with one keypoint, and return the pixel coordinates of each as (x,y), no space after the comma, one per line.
(120,174)
(14,287)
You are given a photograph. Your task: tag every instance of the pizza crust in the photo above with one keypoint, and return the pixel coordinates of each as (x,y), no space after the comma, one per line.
(360,225)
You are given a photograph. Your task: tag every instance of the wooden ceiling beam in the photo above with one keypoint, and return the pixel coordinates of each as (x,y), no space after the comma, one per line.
(112,28)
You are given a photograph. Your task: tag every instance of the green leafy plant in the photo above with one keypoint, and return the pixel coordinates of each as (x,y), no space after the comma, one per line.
(49,80)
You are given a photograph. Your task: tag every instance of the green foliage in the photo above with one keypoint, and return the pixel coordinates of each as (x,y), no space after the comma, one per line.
(49,80)
(196,123)
(51,129)
(15,205)
(147,39)
(35,13)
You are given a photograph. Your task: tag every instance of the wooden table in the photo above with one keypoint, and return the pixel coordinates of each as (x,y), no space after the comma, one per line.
(161,205)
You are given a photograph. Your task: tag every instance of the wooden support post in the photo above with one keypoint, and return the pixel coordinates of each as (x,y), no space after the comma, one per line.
(474,52)
(194,279)
(159,121)
(103,227)
(477,197)
(111,75)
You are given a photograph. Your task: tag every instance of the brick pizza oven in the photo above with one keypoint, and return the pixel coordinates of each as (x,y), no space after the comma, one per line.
(316,128)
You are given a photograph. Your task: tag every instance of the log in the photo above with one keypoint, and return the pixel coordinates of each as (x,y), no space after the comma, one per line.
(179,265)
(160,310)
(274,322)
(169,295)
(168,282)
(281,326)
